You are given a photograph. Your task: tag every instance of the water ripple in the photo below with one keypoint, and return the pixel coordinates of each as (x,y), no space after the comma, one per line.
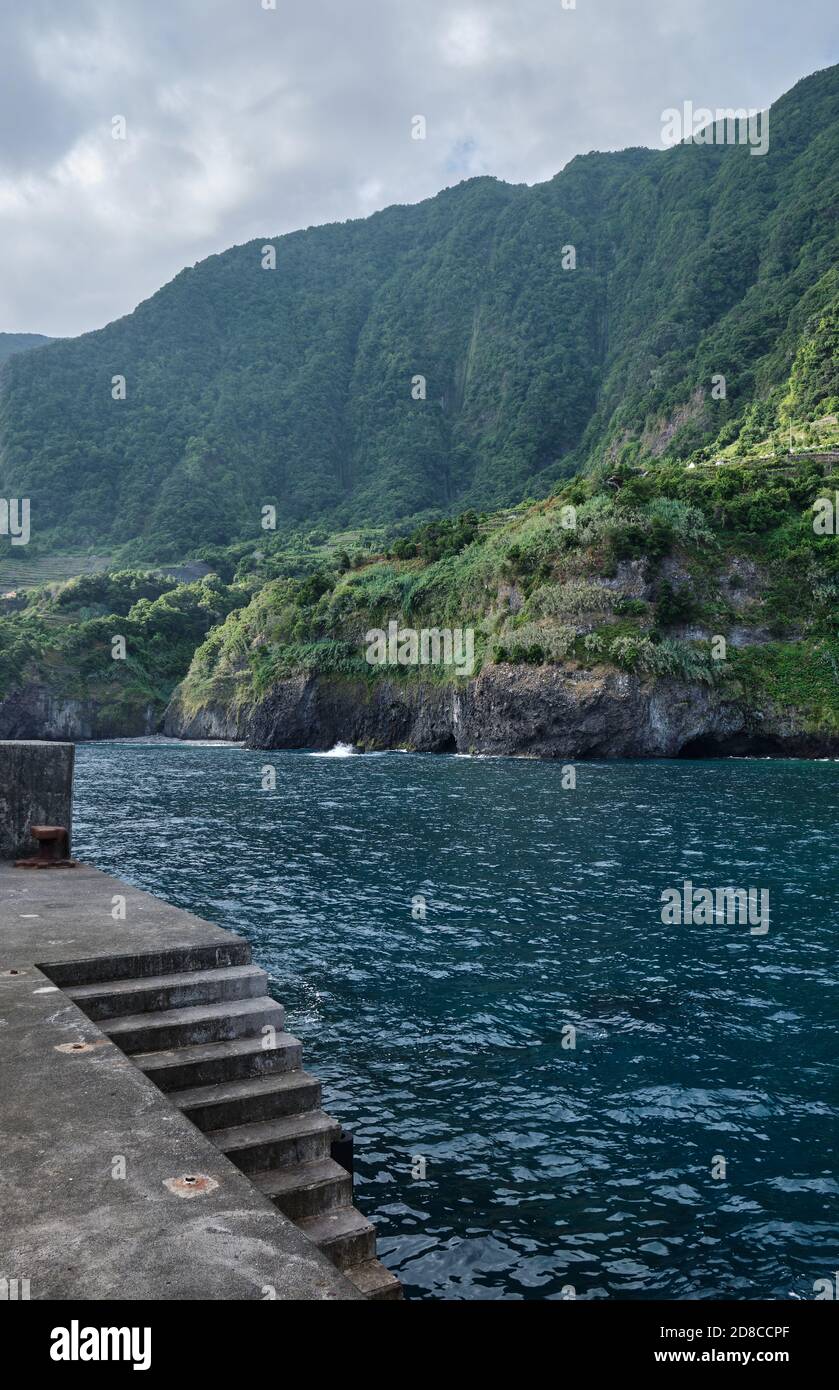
(435,926)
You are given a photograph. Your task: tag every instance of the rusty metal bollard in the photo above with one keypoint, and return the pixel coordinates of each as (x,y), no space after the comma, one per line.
(53,849)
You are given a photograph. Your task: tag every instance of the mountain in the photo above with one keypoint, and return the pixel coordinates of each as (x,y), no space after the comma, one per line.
(11,343)
(292,387)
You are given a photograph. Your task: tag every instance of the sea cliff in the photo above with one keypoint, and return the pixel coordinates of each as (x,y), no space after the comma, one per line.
(534,712)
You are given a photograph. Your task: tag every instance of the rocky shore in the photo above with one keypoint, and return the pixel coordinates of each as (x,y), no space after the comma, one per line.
(541,712)
(35,712)
(525,711)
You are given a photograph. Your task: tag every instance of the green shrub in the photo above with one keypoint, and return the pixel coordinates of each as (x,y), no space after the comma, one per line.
(674,606)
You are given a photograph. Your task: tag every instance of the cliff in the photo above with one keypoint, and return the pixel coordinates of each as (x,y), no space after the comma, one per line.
(661,612)
(35,712)
(542,712)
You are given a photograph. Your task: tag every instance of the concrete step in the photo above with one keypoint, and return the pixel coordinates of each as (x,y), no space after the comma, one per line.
(201,1064)
(135,965)
(344,1235)
(202,1023)
(306,1189)
(276,1143)
(230,1103)
(110,998)
(375,1281)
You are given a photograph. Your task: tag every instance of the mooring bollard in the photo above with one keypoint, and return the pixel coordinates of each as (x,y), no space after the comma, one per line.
(53,849)
(36,793)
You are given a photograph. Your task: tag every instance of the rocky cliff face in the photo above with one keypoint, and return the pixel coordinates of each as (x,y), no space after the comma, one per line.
(539,712)
(543,712)
(35,712)
(211,721)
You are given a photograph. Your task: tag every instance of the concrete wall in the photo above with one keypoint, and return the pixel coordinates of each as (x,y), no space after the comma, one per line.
(36,788)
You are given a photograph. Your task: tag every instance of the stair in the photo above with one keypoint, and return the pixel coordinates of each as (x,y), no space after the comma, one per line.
(231,951)
(144,1032)
(343,1234)
(200,1064)
(274,1143)
(200,1023)
(229,1103)
(375,1281)
(111,998)
(306,1189)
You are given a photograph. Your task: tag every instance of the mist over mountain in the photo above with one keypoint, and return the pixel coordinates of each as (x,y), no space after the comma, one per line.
(467,351)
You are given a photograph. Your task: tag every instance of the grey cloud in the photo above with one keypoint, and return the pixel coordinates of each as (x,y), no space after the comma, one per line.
(247,122)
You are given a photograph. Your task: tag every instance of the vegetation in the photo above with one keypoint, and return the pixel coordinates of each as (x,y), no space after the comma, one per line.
(614,466)
(63,638)
(11,343)
(717,553)
(299,387)
(643,572)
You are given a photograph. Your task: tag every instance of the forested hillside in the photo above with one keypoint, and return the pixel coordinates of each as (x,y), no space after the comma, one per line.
(296,386)
(681,607)
(653,568)
(11,343)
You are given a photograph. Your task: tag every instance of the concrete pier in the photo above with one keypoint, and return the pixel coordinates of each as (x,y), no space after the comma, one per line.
(36,788)
(158,1138)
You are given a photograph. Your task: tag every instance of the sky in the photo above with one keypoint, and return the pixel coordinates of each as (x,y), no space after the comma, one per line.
(249,118)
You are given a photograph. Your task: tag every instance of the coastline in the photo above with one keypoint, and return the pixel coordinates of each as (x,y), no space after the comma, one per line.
(547,712)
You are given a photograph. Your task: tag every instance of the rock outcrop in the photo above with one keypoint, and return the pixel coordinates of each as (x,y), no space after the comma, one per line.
(515,711)
(36,712)
(541,712)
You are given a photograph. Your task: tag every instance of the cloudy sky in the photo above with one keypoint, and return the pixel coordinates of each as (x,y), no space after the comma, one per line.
(244,120)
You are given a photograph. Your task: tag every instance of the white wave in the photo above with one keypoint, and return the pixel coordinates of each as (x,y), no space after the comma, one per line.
(341,750)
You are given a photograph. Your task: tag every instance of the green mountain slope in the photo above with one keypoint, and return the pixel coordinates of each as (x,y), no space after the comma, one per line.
(11,343)
(664,609)
(293,386)
(713,577)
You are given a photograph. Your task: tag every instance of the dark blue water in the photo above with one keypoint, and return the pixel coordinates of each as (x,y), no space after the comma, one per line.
(441,1039)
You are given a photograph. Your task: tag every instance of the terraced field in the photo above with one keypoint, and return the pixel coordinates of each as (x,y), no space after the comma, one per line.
(17,572)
